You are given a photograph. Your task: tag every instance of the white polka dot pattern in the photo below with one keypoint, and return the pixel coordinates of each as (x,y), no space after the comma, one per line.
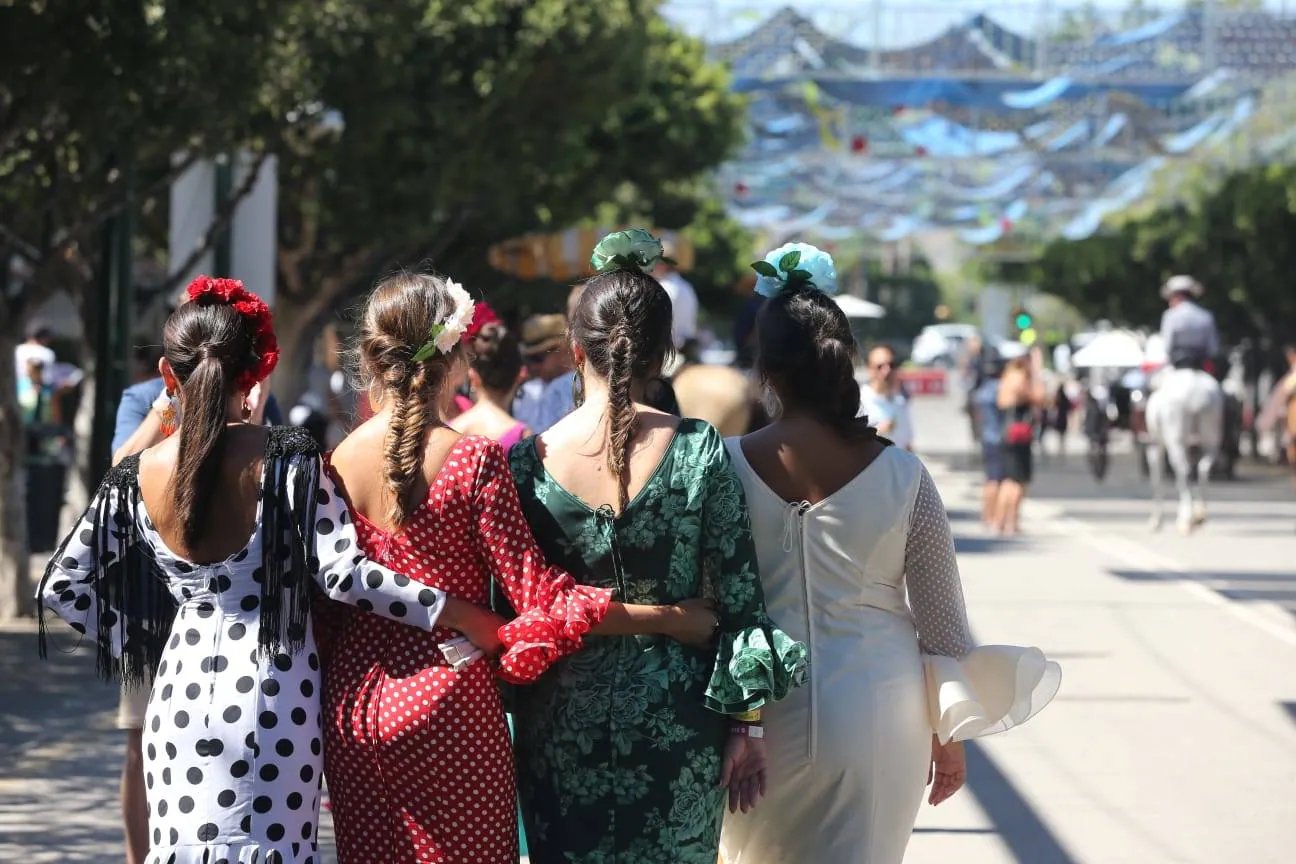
(418,758)
(932,577)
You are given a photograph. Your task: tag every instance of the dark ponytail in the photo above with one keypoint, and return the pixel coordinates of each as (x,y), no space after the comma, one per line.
(807,354)
(209,345)
(622,322)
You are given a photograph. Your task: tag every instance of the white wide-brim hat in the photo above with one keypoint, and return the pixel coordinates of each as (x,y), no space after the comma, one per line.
(1181,285)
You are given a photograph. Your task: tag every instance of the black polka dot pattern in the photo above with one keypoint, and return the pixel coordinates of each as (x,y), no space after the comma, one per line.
(233,759)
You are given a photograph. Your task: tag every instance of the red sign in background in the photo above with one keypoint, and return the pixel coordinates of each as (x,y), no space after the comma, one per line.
(924,382)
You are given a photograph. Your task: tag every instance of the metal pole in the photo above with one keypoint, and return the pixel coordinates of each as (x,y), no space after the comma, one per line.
(105,396)
(224,184)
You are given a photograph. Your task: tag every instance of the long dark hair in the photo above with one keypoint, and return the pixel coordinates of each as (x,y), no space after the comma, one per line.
(805,350)
(496,357)
(397,319)
(623,324)
(208,344)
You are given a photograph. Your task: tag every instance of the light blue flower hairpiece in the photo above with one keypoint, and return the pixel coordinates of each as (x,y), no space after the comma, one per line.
(792,265)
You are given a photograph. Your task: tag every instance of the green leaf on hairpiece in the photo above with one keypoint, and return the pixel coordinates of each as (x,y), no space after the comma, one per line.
(428,348)
(765,268)
(789,262)
(800,276)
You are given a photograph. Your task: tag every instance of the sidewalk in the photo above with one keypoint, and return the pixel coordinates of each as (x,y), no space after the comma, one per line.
(1171,739)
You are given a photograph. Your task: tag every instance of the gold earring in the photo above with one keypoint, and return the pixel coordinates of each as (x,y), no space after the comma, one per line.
(168,415)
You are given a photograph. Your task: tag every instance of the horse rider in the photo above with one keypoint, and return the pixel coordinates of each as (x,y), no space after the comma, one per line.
(1188,331)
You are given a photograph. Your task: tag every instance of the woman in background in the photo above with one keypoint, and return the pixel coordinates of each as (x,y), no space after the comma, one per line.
(495,373)
(1019,397)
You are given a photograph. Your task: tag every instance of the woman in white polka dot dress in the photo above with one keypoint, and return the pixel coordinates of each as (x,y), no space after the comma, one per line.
(857,560)
(196,561)
(418,757)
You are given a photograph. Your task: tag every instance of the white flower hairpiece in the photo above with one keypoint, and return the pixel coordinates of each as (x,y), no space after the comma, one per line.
(445,335)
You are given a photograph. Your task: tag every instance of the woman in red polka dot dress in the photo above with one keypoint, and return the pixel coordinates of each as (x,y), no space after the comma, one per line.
(417,753)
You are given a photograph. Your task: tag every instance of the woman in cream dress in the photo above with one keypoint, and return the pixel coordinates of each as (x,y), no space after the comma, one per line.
(857,560)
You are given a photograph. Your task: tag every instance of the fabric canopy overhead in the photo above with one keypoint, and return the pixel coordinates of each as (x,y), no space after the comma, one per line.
(968,130)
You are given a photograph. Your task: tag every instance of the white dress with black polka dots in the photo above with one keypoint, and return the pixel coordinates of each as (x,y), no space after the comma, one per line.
(868,578)
(232,739)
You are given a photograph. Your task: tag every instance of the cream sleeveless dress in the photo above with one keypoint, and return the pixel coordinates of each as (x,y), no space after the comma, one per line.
(868,579)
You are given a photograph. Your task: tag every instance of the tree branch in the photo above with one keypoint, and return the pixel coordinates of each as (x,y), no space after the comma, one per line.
(219,224)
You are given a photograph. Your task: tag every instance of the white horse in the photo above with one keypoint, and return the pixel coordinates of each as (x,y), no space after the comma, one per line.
(1185,408)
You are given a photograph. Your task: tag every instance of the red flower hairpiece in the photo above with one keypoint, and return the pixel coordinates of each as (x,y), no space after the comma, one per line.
(230,292)
(483,314)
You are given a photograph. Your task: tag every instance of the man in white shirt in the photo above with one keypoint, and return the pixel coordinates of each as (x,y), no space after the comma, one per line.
(548,364)
(36,349)
(684,302)
(883,401)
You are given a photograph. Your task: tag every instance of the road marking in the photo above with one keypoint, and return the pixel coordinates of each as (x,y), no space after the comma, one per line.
(1137,555)
(1134,554)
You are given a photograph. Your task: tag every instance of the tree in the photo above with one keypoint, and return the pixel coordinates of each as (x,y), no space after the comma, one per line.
(469,123)
(96,100)
(1231,237)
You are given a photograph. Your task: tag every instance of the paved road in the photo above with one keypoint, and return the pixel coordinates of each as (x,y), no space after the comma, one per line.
(1173,738)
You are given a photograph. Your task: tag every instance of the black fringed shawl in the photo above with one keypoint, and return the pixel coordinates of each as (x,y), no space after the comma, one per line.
(128,590)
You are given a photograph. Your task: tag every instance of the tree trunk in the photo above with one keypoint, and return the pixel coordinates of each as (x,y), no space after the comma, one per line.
(298,322)
(15,562)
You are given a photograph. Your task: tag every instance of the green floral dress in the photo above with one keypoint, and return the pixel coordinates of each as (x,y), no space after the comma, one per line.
(619,746)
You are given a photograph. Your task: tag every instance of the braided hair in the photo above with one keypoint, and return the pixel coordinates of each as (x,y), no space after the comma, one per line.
(622,322)
(397,319)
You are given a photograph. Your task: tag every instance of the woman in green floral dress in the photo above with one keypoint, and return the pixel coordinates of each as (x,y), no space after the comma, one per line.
(627,751)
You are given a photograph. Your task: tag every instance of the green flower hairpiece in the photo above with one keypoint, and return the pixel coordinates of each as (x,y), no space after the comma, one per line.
(632,249)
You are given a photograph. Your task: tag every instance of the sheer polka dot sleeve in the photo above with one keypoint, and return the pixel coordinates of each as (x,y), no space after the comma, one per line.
(73,580)
(932,577)
(348,576)
(553,611)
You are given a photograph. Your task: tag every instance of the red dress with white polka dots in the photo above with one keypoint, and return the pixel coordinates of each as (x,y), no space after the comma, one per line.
(417,756)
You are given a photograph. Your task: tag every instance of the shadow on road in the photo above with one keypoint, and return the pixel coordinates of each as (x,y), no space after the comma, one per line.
(1272,587)
(61,751)
(1015,821)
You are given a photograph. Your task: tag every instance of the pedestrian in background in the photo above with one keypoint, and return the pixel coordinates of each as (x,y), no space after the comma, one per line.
(546,397)
(990,427)
(1020,396)
(884,401)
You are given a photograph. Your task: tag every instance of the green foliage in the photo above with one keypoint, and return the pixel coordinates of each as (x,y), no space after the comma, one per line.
(1233,238)
(94,92)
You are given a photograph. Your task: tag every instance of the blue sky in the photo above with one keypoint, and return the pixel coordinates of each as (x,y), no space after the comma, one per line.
(901,23)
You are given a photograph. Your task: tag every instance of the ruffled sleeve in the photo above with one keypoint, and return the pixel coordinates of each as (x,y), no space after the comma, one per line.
(553,611)
(755,661)
(971,691)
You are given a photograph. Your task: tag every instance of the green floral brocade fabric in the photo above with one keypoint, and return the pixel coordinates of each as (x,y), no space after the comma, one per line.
(619,746)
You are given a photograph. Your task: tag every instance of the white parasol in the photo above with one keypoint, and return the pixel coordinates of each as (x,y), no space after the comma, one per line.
(1113,349)
(857,307)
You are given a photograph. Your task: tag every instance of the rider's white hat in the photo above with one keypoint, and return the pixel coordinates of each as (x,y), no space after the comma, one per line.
(1181,285)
